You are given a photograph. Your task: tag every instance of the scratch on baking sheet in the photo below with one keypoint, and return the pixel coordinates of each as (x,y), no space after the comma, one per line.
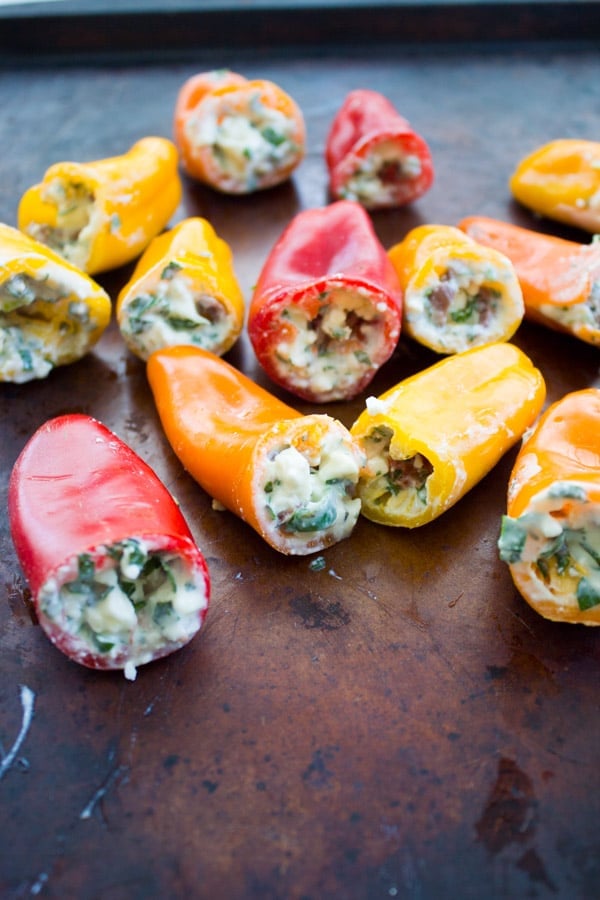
(38,885)
(27,703)
(112,778)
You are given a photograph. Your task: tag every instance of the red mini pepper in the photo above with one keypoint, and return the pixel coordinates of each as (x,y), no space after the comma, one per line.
(327,308)
(373,154)
(116,577)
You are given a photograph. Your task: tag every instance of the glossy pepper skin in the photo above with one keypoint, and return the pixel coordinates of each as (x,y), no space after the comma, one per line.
(183,291)
(116,577)
(373,154)
(560,279)
(100,215)
(457,293)
(327,308)
(290,477)
(561,180)
(51,313)
(431,438)
(550,537)
(237,135)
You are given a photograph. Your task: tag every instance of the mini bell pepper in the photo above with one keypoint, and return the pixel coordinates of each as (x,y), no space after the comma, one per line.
(235,135)
(550,537)
(115,575)
(51,313)
(327,308)
(101,215)
(183,291)
(431,438)
(374,156)
(457,293)
(560,279)
(561,180)
(290,477)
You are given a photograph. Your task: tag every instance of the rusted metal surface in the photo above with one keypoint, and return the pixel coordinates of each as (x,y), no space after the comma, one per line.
(398,724)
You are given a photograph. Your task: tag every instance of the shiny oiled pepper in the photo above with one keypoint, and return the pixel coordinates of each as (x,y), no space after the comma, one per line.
(550,537)
(561,180)
(101,215)
(183,291)
(116,577)
(374,156)
(235,135)
(560,279)
(327,308)
(431,438)
(457,293)
(51,313)
(291,477)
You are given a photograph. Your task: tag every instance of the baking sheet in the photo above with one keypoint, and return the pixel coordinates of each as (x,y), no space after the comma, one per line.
(399,724)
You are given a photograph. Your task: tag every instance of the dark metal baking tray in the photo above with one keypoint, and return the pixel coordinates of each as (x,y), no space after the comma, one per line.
(399,724)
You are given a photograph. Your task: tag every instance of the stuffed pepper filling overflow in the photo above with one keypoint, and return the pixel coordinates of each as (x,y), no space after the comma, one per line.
(77,221)
(374,181)
(329,351)
(558,541)
(160,317)
(310,488)
(124,599)
(43,324)
(398,486)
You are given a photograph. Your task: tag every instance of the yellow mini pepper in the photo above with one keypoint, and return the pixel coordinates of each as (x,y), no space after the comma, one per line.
(457,293)
(183,291)
(561,180)
(431,438)
(101,215)
(51,313)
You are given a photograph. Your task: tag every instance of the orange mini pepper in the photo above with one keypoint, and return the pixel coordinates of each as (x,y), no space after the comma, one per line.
(236,135)
(550,537)
(431,438)
(100,215)
(561,180)
(183,291)
(292,477)
(560,279)
(457,293)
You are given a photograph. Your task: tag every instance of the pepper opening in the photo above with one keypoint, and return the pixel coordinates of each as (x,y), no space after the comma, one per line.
(123,605)
(399,486)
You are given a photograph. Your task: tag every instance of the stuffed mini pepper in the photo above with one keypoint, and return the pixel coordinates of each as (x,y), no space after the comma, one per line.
(561,180)
(431,438)
(550,537)
(291,477)
(327,308)
(560,279)
(100,215)
(115,575)
(235,135)
(182,291)
(374,156)
(457,293)
(51,313)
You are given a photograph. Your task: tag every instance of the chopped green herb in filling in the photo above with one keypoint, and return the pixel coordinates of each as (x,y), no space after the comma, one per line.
(399,485)
(174,312)
(303,496)
(126,600)
(329,352)
(561,547)
(40,327)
